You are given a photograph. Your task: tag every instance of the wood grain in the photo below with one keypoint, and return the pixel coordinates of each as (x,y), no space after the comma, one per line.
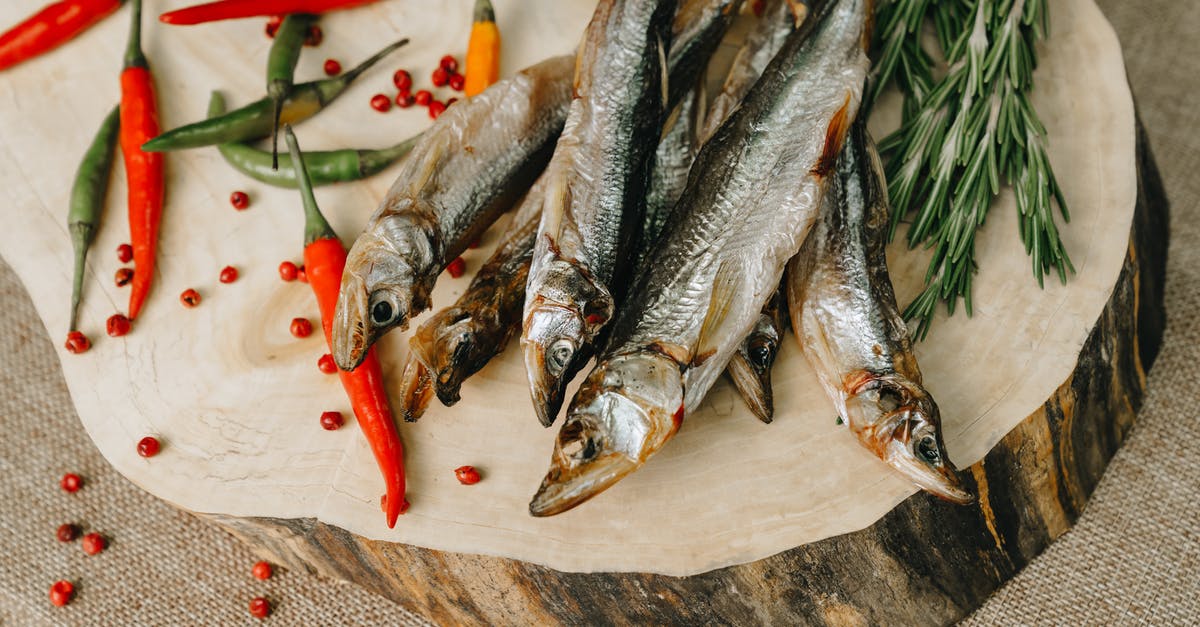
(924,562)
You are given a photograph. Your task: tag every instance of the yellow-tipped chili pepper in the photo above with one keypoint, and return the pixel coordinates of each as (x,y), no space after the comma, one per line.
(483,50)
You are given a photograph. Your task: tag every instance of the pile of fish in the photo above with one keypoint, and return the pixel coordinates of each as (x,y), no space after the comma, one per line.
(664,262)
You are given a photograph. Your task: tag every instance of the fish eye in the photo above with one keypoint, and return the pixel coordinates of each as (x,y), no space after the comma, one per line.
(762,353)
(927,449)
(559,356)
(383,312)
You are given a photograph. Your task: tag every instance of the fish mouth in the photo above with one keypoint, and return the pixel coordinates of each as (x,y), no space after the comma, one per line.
(754,385)
(554,350)
(446,352)
(352,334)
(416,388)
(624,412)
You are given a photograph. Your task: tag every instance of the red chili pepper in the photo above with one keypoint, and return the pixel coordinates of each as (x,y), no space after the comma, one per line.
(143,170)
(54,25)
(94,543)
(71,482)
(467,475)
(234,9)
(324,260)
(67,533)
(148,446)
(61,593)
(262,570)
(260,607)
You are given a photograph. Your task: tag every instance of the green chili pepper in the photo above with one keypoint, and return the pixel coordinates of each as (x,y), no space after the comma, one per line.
(87,198)
(281,67)
(327,167)
(255,120)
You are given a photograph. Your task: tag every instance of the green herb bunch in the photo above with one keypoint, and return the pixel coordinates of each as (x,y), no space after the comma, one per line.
(967,124)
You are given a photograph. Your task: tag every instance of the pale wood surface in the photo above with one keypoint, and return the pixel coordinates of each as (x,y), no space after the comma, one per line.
(236,398)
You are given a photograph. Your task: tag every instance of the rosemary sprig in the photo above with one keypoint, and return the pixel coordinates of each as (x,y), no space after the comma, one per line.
(966,124)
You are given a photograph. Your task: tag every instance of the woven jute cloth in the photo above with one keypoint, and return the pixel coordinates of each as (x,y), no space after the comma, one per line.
(1133,557)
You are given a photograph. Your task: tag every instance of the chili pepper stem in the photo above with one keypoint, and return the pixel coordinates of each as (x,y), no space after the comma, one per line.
(315,225)
(134,57)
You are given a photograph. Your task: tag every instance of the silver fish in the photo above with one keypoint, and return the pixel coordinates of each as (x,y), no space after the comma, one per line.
(471,165)
(751,198)
(850,329)
(595,195)
(669,171)
(458,341)
(750,366)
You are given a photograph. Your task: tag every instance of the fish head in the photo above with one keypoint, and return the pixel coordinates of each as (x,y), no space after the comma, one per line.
(386,281)
(561,322)
(750,367)
(899,421)
(628,407)
(453,345)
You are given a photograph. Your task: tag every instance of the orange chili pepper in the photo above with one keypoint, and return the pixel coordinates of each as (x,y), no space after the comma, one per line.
(324,260)
(143,170)
(483,50)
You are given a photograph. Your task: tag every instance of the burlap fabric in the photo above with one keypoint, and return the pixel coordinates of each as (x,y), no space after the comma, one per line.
(1134,556)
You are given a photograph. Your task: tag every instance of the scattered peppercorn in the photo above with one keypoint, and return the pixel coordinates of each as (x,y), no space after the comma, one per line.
(273,25)
(240,200)
(116,325)
(383,504)
(423,97)
(123,276)
(288,271)
(67,532)
(450,102)
(457,81)
(449,63)
(473,245)
(260,607)
(71,482)
(439,77)
(404,100)
(148,446)
(436,108)
(77,342)
(326,364)
(94,543)
(332,420)
(380,103)
(190,298)
(403,80)
(332,67)
(315,36)
(125,253)
(61,593)
(760,7)
(457,268)
(467,475)
(262,570)
(301,275)
(301,327)
(229,274)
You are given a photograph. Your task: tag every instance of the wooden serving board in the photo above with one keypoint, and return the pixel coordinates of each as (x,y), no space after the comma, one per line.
(789,522)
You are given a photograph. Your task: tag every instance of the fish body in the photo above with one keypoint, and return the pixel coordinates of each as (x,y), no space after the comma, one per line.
(752,195)
(595,195)
(471,165)
(669,171)
(847,323)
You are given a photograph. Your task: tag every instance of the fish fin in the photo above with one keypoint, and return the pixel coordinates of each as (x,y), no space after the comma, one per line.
(835,136)
(799,12)
(662,66)
(724,289)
